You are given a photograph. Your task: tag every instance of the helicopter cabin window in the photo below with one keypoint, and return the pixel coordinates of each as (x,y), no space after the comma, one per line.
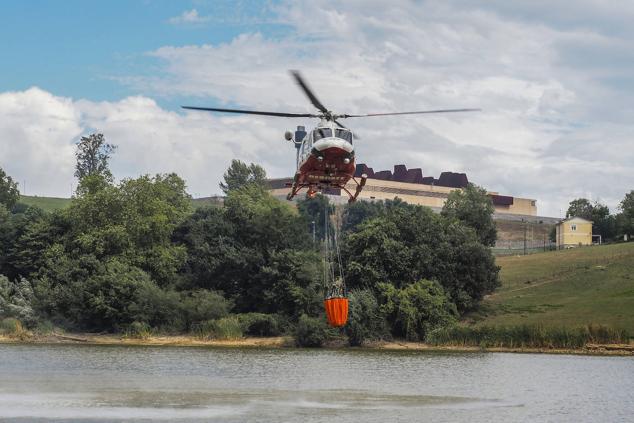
(344,134)
(320,133)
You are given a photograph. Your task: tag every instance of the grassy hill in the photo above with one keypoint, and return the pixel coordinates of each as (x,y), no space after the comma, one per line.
(564,288)
(45,203)
(53,203)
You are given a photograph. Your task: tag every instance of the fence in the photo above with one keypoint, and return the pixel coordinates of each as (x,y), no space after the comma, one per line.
(522,247)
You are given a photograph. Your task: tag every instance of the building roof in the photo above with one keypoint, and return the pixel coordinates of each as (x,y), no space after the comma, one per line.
(575,218)
(413,176)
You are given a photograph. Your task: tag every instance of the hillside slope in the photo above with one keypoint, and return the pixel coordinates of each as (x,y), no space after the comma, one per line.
(564,288)
(52,203)
(45,203)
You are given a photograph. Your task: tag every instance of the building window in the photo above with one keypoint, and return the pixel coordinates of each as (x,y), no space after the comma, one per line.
(573,227)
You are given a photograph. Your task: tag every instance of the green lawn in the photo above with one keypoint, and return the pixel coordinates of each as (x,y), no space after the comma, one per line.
(564,288)
(45,203)
(52,203)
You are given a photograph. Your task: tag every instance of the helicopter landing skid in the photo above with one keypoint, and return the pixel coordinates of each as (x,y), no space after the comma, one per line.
(312,189)
(360,185)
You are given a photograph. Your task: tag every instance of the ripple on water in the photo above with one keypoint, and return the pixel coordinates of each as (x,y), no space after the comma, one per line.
(133,384)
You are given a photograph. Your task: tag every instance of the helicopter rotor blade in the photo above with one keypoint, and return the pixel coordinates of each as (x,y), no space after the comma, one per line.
(412,113)
(250,112)
(309,93)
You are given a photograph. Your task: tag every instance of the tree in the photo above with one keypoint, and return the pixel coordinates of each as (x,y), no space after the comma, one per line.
(16,300)
(410,243)
(240,174)
(603,223)
(472,206)
(256,250)
(24,238)
(360,211)
(315,210)
(135,219)
(9,193)
(93,154)
(626,217)
(580,207)
(365,320)
(417,309)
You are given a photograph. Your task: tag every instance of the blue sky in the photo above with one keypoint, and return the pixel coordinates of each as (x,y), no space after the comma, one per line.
(554,80)
(75,48)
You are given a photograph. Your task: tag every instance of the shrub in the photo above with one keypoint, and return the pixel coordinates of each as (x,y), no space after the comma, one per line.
(13,328)
(601,334)
(225,328)
(139,330)
(310,331)
(416,309)
(526,336)
(259,324)
(365,321)
(44,327)
(157,307)
(202,305)
(16,300)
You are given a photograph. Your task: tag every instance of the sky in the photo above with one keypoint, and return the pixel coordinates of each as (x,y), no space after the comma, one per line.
(554,80)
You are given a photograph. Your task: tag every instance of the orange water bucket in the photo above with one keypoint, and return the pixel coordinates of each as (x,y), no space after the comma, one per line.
(336,311)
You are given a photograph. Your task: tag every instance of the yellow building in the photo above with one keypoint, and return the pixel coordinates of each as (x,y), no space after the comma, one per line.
(573,232)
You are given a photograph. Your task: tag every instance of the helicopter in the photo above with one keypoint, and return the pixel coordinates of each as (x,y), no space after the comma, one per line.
(325,155)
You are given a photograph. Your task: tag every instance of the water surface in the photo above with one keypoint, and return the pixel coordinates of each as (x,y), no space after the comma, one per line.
(129,383)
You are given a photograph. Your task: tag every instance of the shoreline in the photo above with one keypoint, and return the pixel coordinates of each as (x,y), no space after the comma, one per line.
(282,342)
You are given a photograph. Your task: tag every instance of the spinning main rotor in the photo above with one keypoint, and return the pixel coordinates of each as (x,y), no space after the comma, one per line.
(324,112)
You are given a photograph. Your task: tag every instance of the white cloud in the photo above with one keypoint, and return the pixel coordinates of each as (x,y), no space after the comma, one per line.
(189,17)
(39,134)
(36,134)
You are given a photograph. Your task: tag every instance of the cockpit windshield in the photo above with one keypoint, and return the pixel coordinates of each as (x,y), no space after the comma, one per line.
(344,134)
(320,133)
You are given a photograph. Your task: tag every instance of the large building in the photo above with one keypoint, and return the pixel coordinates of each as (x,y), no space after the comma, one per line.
(409,185)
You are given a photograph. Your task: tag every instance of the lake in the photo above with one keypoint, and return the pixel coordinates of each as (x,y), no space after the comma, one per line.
(50,383)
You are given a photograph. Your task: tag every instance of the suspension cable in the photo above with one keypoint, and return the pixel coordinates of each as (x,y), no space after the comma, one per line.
(339,261)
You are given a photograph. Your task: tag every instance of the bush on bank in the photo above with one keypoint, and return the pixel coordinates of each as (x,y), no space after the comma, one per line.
(526,336)
(311,332)
(366,321)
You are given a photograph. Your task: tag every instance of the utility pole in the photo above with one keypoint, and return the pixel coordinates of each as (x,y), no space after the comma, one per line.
(525,230)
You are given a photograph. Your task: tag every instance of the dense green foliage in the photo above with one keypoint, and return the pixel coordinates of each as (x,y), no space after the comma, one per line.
(366,321)
(255,250)
(9,193)
(16,299)
(406,243)
(310,331)
(415,310)
(474,208)
(625,219)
